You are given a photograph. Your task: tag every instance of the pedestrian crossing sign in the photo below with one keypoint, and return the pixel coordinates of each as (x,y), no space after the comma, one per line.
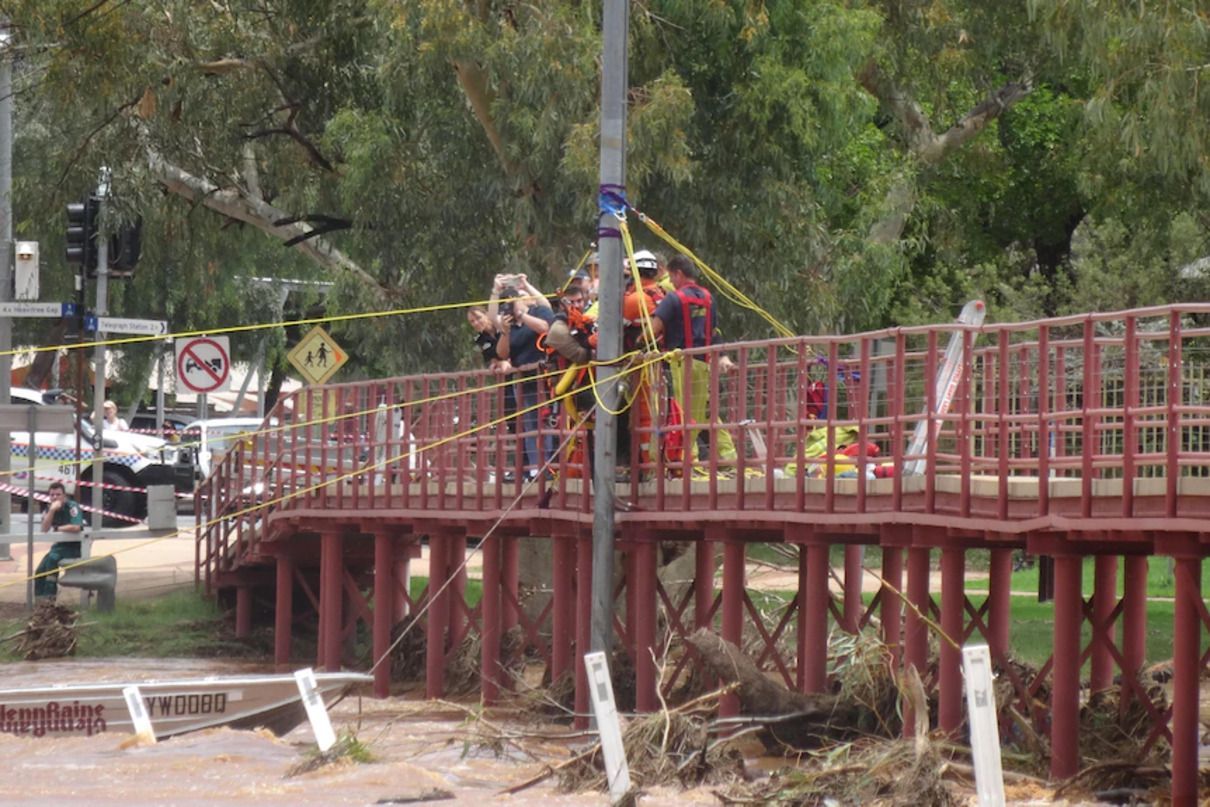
(317,357)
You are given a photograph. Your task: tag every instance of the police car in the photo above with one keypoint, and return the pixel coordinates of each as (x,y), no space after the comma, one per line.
(132,462)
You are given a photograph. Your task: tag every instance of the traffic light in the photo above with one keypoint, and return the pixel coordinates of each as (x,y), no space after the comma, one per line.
(82,233)
(124,249)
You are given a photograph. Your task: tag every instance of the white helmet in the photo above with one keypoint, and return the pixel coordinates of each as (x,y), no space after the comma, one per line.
(646,261)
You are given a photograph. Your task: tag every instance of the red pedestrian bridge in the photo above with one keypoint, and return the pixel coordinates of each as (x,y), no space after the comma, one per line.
(1069,438)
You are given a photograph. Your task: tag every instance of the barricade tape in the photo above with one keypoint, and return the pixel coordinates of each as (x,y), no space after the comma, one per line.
(42,497)
(107,486)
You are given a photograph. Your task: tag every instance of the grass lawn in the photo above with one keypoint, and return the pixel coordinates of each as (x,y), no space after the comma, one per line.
(177,625)
(1160,581)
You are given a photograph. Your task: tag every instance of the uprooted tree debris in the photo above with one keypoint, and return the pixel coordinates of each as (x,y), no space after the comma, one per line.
(866,702)
(50,633)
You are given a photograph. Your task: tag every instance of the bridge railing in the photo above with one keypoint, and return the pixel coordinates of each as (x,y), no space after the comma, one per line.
(818,425)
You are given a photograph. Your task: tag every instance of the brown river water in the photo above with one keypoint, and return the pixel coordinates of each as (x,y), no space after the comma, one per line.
(418,747)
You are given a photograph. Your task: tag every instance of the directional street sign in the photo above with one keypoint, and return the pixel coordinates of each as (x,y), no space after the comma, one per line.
(317,357)
(37,309)
(203,363)
(140,327)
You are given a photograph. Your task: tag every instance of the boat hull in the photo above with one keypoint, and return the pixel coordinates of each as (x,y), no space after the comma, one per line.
(174,707)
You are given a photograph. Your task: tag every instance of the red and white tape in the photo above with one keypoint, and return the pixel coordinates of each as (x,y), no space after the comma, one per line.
(42,497)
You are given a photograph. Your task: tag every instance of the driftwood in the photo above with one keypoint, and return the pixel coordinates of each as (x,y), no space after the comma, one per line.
(796,719)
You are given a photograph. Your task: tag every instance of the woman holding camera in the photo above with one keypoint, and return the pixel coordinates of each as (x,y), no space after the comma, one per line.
(524,315)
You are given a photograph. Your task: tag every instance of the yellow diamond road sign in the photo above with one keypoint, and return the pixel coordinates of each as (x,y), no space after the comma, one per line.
(317,357)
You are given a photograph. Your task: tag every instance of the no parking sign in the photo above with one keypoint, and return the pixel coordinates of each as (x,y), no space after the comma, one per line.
(203,363)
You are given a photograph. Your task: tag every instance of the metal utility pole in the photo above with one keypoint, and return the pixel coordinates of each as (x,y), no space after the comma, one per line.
(98,456)
(609,328)
(6,272)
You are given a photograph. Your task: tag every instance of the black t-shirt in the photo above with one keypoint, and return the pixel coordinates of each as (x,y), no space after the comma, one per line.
(486,345)
(523,340)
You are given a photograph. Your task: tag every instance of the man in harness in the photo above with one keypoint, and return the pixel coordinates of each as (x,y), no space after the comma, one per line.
(638,307)
(686,319)
(571,342)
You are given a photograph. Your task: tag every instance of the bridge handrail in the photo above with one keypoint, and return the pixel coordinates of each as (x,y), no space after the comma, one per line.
(1088,398)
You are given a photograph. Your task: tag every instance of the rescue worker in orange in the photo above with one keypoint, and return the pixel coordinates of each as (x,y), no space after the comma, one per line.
(638,305)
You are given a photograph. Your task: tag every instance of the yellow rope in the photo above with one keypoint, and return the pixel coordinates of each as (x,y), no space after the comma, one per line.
(361,470)
(720,282)
(260,326)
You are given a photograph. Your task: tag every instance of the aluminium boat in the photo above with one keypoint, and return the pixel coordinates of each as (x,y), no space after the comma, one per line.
(174,707)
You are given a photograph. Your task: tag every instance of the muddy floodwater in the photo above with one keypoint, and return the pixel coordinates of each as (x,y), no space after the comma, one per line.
(418,747)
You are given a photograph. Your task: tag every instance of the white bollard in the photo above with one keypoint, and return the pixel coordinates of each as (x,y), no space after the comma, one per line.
(600,688)
(317,713)
(985,730)
(139,718)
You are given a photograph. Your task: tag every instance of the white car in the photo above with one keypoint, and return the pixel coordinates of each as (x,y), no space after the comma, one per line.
(132,462)
(212,438)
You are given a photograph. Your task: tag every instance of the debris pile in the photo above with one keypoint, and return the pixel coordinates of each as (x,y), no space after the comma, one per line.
(863,772)
(50,632)
(674,746)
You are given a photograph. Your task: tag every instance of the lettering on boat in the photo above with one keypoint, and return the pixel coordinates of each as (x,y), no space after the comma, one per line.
(196,703)
(54,718)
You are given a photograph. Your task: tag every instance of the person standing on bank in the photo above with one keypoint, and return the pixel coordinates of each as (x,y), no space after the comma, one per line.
(62,515)
(112,421)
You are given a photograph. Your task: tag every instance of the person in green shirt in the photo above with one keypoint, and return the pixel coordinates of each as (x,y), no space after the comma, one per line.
(62,515)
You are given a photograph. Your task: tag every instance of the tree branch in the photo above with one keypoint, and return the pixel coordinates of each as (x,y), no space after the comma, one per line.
(923,142)
(473,81)
(238,205)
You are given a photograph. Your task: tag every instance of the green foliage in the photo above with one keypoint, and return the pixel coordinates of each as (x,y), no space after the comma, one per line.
(455,139)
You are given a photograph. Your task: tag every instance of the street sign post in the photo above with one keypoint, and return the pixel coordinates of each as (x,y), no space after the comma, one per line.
(203,363)
(37,309)
(138,327)
(317,357)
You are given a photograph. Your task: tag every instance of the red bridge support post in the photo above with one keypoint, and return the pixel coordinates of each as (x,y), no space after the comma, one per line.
(1104,600)
(1134,620)
(283,614)
(438,616)
(915,631)
(511,571)
(563,617)
(999,607)
(243,612)
(489,658)
(1186,663)
(385,595)
(814,596)
(459,622)
(733,611)
(853,556)
(953,621)
(891,604)
(703,582)
(643,624)
(1065,691)
(583,626)
(331,599)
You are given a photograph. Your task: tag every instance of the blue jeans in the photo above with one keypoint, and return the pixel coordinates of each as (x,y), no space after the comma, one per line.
(527,393)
